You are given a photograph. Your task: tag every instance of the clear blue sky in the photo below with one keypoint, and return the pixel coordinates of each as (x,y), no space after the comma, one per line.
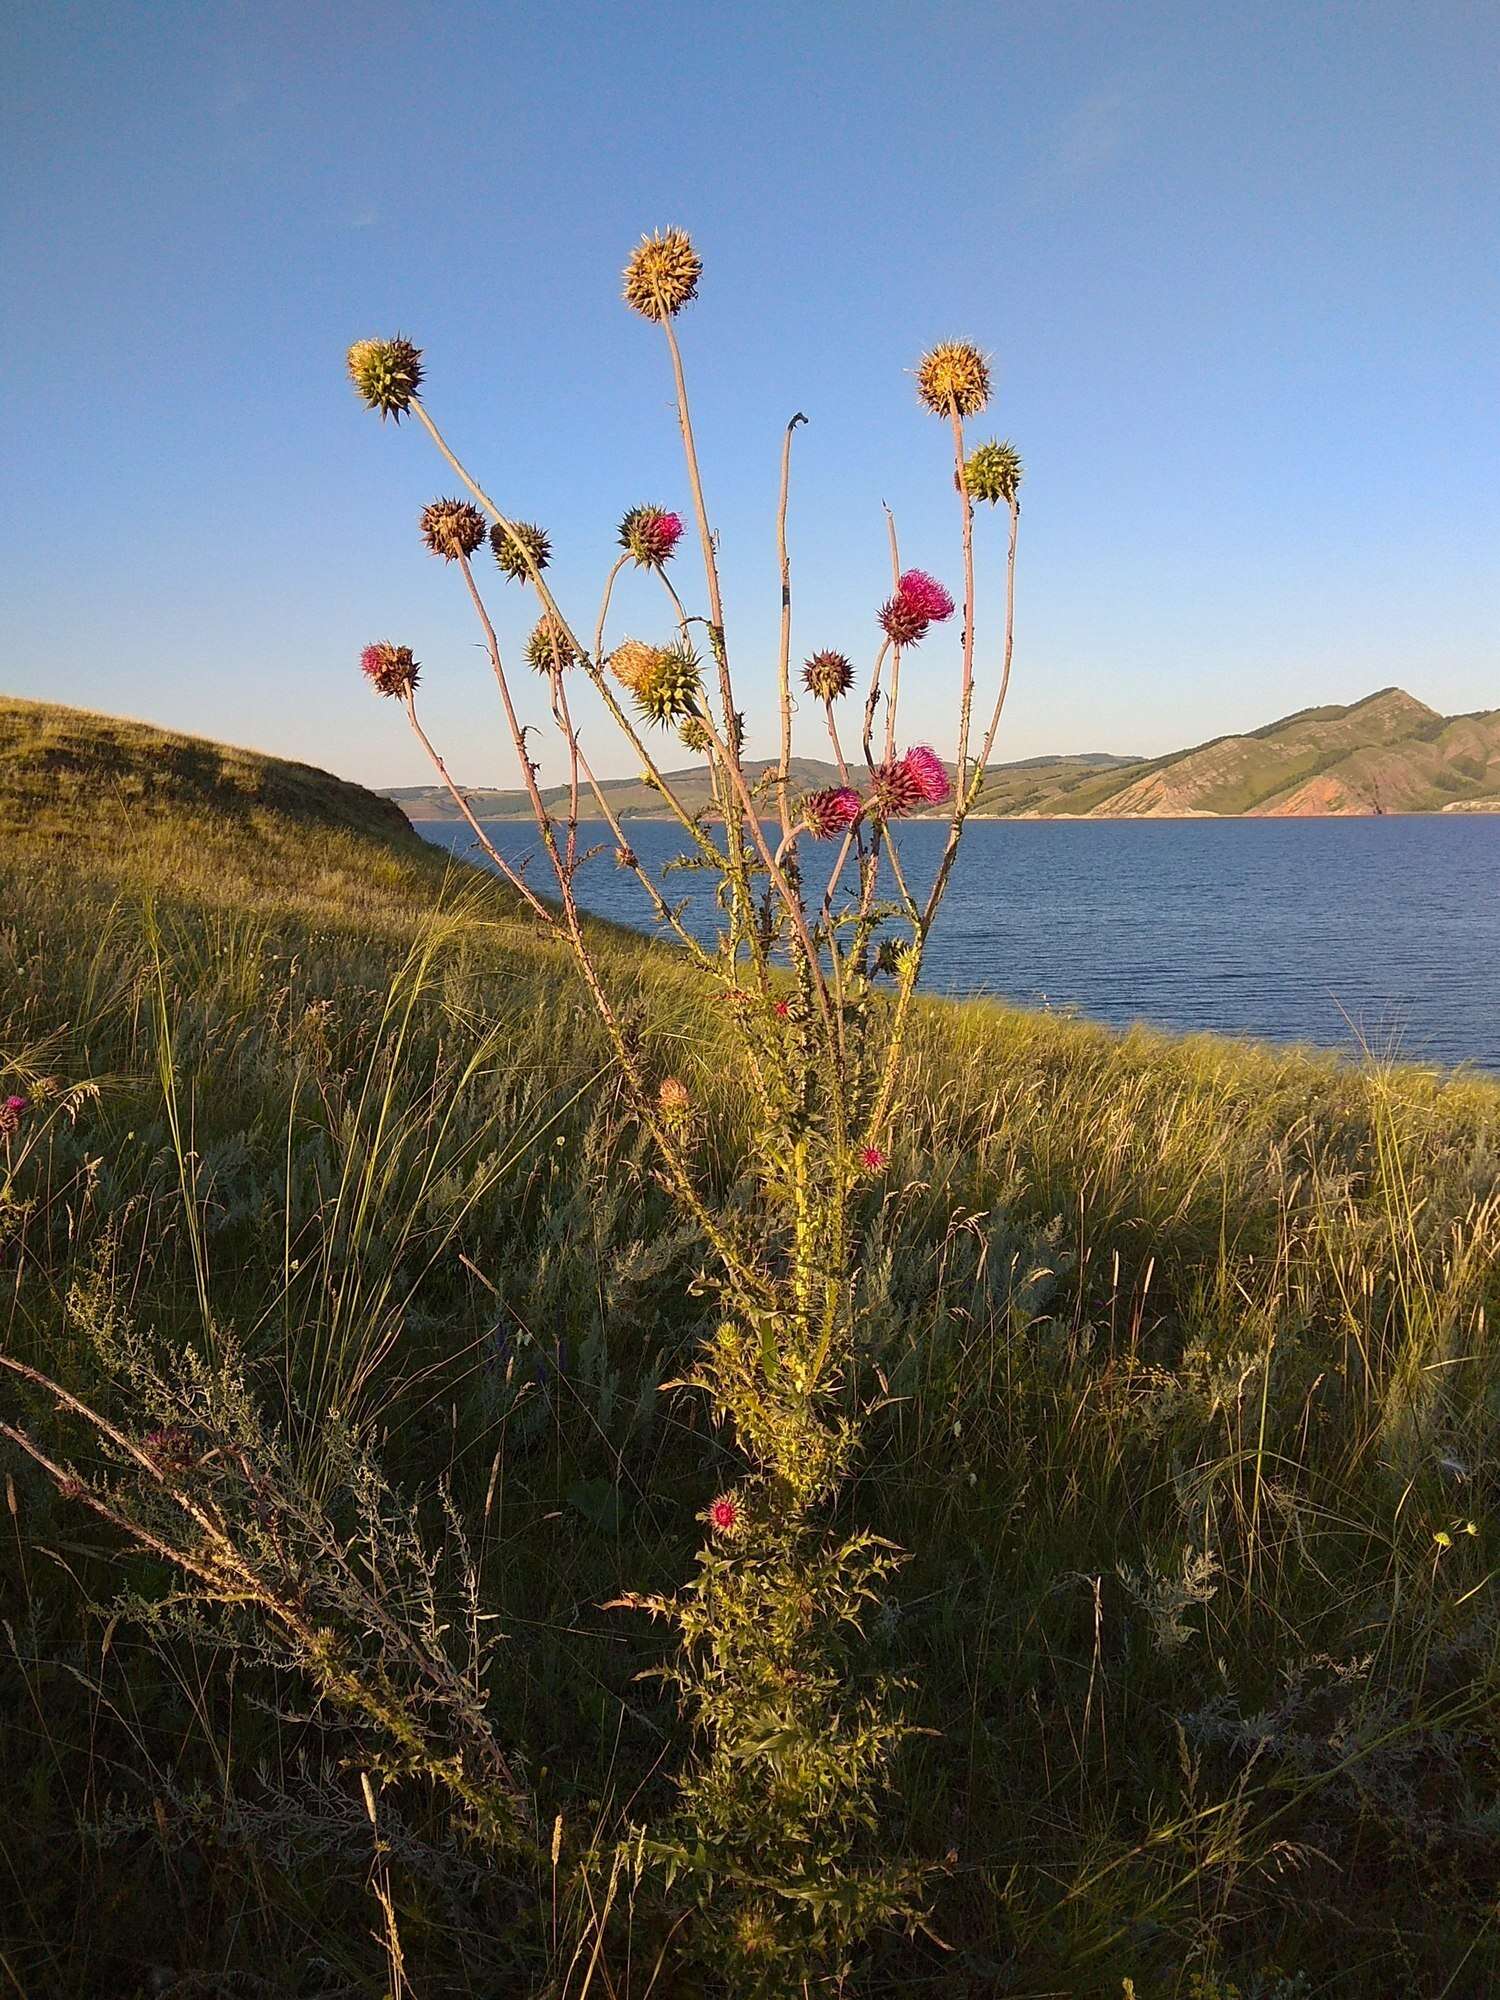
(1239,269)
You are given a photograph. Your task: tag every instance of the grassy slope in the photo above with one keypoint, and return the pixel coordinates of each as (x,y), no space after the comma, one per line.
(1132,1300)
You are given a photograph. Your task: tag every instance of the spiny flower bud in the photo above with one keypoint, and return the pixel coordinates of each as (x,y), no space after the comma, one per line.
(387,374)
(831,812)
(12,1111)
(631,661)
(662,274)
(903,622)
(954,376)
(452,528)
(828,675)
(927,594)
(650,535)
(391,669)
(671,687)
(503,541)
(895,791)
(549,649)
(925,769)
(693,734)
(993,472)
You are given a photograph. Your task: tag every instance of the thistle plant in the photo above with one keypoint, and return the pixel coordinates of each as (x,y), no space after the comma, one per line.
(814,968)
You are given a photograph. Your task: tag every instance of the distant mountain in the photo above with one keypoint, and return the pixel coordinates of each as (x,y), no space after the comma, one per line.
(1387,753)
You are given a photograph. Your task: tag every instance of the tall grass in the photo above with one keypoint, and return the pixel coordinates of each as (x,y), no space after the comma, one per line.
(1186,1407)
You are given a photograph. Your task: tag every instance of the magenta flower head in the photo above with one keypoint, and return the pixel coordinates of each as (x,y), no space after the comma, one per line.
(724,1514)
(391,670)
(12,1111)
(872,1159)
(895,791)
(650,536)
(925,768)
(832,812)
(929,596)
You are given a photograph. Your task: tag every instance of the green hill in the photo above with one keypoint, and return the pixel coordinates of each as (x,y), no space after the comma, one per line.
(1185,1417)
(1387,753)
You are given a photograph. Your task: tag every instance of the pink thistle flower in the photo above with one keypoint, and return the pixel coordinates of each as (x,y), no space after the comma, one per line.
(782,1009)
(832,812)
(724,1514)
(903,621)
(391,670)
(872,1159)
(895,791)
(650,535)
(927,773)
(927,594)
(12,1111)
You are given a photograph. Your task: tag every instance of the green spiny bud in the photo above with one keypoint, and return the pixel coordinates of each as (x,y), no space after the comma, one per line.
(387,374)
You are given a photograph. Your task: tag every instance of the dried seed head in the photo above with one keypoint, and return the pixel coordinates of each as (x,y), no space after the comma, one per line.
(671,688)
(993,472)
(387,374)
(650,535)
(662,274)
(549,649)
(504,540)
(954,376)
(831,812)
(391,670)
(452,528)
(631,661)
(828,675)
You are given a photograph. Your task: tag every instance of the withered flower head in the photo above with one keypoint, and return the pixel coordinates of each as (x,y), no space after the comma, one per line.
(662,274)
(954,376)
(391,670)
(452,528)
(828,675)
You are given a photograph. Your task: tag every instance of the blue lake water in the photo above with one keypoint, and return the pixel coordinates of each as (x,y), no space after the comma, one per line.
(1334,931)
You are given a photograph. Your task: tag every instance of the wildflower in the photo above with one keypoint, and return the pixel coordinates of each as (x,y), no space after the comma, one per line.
(391,669)
(549,649)
(12,1111)
(670,688)
(926,770)
(782,1009)
(650,535)
(927,594)
(452,528)
(872,1159)
(832,812)
(724,1514)
(674,1100)
(631,661)
(387,374)
(828,675)
(173,1447)
(896,790)
(954,375)
(530,537)
(903,620)
(993,472)
(662,275)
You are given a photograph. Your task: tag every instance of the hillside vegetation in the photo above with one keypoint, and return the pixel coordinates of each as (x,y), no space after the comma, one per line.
(1187,1420)
(1388,753)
